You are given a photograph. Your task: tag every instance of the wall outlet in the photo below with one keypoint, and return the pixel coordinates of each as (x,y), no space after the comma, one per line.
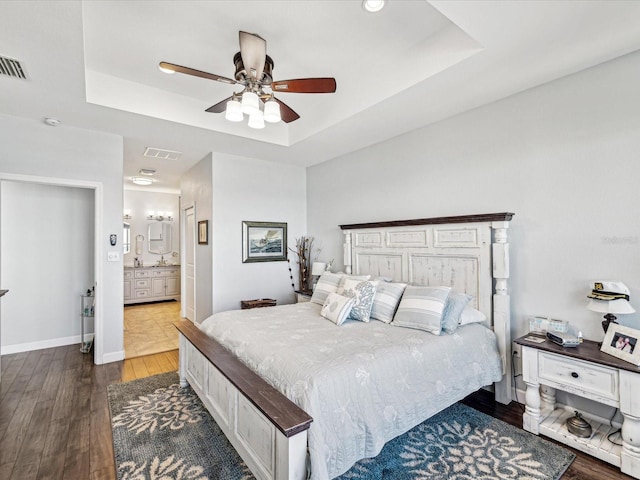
(516,350)
(113,256)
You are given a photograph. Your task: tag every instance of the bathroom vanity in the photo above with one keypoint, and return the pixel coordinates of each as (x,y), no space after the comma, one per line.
(151,284)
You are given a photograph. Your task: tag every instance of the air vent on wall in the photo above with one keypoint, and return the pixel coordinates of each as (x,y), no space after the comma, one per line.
(11,68)
(161,153)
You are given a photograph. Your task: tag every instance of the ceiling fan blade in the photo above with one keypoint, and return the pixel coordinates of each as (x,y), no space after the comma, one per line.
(253,49)
(286,113)
(305,85)
(196,73)
(219,107)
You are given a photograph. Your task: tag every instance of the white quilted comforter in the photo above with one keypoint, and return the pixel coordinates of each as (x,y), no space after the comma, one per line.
(363,383)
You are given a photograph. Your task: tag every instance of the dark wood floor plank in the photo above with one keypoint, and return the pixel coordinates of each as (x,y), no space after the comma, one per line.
(72,408)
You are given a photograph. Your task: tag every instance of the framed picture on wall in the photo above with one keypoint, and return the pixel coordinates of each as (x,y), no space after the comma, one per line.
(264,242)
(203,232)
(622,342)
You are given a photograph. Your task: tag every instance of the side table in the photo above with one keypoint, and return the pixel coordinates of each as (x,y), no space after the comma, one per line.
(586,372)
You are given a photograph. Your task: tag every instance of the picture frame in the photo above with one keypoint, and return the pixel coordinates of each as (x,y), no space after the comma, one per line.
(264,242)
(622,342)
(203,232)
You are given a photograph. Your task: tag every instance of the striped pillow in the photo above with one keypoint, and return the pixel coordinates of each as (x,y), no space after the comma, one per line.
(386,301)
(421,308)
(327,283)
(336,308)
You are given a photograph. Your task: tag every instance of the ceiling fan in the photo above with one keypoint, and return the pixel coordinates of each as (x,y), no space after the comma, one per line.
(253,70)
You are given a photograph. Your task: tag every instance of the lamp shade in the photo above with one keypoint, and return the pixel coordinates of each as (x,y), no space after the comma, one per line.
(250,103)
(318,268)
(234,111)
(256,120)
(619,306)
(272,112)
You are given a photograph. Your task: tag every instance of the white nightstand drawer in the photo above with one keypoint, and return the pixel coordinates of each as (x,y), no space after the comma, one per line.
(593,381)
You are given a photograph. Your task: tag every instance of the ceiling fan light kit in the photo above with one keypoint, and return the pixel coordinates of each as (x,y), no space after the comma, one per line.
(254,71)
(373,6)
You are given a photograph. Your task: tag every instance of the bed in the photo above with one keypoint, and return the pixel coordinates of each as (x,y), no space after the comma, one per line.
(299,396)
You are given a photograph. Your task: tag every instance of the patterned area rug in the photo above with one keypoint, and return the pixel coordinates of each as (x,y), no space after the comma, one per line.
(163,431)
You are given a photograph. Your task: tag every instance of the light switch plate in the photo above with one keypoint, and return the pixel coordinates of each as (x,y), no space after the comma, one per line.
(113,256)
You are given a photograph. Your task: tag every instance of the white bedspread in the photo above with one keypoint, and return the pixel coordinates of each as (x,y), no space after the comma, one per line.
(363,383)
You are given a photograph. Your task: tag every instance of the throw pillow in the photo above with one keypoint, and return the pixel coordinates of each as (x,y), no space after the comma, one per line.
(421,308)
(453,310)
(362,294)
(336,308)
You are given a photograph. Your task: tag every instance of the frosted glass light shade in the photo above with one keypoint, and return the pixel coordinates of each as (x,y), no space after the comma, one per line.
(256,120)
(272,112)
(234,111)
(250,103)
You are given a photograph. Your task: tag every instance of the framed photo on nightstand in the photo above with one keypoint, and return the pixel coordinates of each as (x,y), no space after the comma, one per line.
(622,342)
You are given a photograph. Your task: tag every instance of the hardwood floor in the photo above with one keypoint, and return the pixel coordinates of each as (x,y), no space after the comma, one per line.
(54,416)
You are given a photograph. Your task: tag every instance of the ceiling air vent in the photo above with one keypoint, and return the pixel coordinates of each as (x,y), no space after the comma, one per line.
(11,68)
(162,153)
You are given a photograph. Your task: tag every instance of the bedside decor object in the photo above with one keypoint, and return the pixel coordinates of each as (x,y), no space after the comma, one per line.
(609,298)
(257,303)
(303,251)
(264,242)
(317,269)
(578,426)
(622,342)
(203,232)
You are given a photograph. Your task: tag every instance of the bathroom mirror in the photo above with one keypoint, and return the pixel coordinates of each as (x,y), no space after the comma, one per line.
(159,238)
(126,237)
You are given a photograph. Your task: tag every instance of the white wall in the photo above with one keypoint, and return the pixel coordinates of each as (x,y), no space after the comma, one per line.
(140,203)
(563,157)
(196,191)
(48,260)
(29,147)
(246,189)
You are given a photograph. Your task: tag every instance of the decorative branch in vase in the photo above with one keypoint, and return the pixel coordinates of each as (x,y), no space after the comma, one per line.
(303,251)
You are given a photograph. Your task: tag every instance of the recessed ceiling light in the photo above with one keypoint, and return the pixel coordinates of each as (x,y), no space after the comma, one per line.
(373,6)
(141,181)
(147,171)
(52,122)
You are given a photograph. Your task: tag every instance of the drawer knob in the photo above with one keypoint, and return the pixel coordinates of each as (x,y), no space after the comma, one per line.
(574,374)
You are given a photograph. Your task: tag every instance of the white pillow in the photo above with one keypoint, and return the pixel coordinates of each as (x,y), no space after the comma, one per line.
(421,308)
(471,315)
(327,283)
(351,278)
(386,300)
(362,293)
(336,308)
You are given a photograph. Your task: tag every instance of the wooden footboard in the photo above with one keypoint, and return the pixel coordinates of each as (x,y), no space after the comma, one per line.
(265,427)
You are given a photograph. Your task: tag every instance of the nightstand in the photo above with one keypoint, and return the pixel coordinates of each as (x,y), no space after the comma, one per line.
(303,296)
(586,372)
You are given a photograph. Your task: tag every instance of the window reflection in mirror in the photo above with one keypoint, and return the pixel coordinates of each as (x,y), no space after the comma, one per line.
(159,238)
(126,237)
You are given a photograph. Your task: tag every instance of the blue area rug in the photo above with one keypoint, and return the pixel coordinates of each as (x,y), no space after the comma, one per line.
(163,431)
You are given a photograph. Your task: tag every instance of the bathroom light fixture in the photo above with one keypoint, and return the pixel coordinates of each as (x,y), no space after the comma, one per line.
(373,6)
(142,181)
(127,215)
(160,216)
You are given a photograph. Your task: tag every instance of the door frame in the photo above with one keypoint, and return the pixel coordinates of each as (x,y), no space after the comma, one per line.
(183,263)
(98,251)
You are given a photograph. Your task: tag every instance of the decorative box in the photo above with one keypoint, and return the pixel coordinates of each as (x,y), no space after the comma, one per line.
(257,303)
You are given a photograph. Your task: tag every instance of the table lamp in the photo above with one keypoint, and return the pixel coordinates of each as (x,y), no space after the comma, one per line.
(610,298)
(317,269)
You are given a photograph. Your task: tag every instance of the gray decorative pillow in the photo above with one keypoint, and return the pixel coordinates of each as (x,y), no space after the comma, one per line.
(336,308)
(453,310)
(327,283)
(345,277)
(362,294)
(421,308)
(386,300)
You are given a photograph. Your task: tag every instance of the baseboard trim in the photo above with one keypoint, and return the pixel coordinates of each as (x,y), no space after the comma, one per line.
(112,357)
(30,346)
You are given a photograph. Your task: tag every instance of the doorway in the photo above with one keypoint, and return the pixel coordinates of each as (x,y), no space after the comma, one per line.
(190,264)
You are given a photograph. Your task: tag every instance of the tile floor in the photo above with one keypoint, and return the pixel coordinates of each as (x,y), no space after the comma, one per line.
(148,328)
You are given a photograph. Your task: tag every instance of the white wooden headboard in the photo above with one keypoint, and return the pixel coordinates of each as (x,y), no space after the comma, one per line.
(469,253)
